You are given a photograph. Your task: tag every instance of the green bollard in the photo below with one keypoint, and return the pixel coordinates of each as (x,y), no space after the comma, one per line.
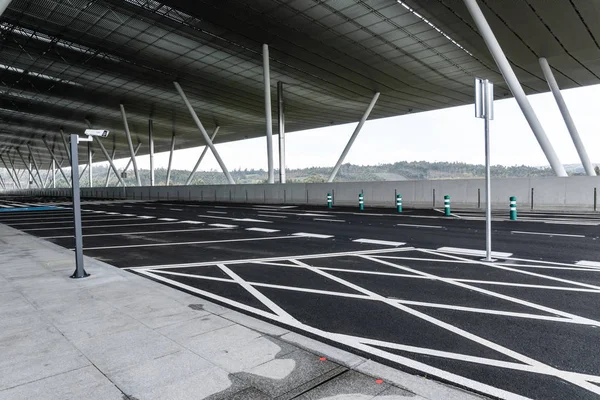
(399,202)
(329,200)
(513,208)
(361,201)
(447,205)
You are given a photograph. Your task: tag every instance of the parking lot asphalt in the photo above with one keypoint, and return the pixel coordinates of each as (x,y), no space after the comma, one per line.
(407,289)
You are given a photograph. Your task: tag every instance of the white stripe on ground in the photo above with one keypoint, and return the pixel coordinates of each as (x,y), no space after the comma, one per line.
(328,220)
(223,225)
(100,226)
(70,221)
(176,209)
(473,252)
(145,216)
(167,219)
(546,234)
(382,242)
(262,230)
(216,212)
(271,216)
(138,233)
(188,243)
(193,222)
(585,263)
(312,235)
(421,226)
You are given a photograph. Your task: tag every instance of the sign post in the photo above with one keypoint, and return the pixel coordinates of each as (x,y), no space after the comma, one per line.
(484,108)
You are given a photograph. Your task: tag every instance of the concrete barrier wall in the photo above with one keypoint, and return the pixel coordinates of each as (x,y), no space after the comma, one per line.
(575,193)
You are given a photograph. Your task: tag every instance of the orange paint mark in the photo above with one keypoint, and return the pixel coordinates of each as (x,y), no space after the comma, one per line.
(322,359)
(379,381)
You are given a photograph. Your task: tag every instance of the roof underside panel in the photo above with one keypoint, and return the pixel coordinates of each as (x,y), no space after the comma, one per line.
(62,62)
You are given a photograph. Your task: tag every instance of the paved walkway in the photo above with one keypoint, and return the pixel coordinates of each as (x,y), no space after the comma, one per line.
(116,335)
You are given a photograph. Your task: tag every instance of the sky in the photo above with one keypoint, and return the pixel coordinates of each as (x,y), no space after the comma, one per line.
(451,134)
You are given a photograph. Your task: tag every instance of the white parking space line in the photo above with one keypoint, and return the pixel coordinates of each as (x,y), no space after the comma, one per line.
(472,252)
(314,215)
(585,263)
(262,230)
(138,233)
(421,226)
(382,242)
(328,220)
(189,243)
(70,221)
(216,212)
(145,216)
(312,235)
(193,222)
(252,220)
(271,216)
(176,209)
(223,225)
(167,219)
(546,234)
(99,226)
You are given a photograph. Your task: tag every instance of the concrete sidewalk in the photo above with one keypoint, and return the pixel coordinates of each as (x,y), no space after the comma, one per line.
(116,335)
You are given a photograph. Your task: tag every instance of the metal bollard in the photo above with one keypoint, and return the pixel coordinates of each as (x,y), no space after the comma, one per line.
(399,202)
(361,201)
(513,208)
(329,200)
(447,205)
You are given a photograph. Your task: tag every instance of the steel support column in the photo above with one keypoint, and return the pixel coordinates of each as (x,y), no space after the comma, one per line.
(189,179)
(281,131)
(135,151)
(110,161)
(64,140)
(35,164)
(130,143)
(112,156)
(90,157)
(14,178)
(564,110)
(170,159)
(54,173)
(31,175)
(209,142)
(56,161)
(2,182)
(514,86)
(3,5)
(79,270)
(151,145)
(268,115)
(353,137)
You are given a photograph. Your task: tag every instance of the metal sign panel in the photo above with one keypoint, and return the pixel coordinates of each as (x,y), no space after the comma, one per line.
(484,98)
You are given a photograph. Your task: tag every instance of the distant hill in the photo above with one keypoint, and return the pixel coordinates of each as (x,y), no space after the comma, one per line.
(402,170)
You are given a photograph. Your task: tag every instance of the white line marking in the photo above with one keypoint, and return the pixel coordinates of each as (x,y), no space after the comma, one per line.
(149,208)
(137,233)
(167,219)
(223,225)
(546,234)
(275,259)
(271,216)
(314,215)
(421,226)
(176,209)
(252,220)
(262,230)
(585,263)
(328,220)
(472,252)
(145,216)
(69,221)
(382,242)
(100,226)
(188,243)
(193,222)
(312,235)
(216,212)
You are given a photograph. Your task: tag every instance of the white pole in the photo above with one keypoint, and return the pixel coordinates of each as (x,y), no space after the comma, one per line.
(53,173)
(281,131)
(353,137)
(564,110)
(151,143)
(189,179)
(209,142)
(90,174)
(514,86)
(488,99)
(268,116)
(130,143)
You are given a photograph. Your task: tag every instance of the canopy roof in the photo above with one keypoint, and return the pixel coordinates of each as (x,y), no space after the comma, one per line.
(62,62)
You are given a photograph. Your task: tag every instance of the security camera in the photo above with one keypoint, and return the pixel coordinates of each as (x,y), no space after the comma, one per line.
(96,132)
